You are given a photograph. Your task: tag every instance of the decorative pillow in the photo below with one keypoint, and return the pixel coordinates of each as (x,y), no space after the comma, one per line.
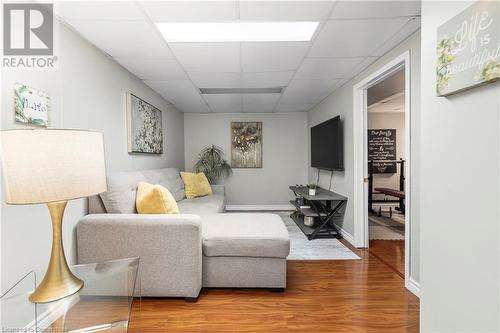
(196,184)
(120,196)
(169,178)
(155,199)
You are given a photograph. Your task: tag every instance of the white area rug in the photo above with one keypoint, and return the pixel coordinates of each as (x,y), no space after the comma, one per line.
(317,249)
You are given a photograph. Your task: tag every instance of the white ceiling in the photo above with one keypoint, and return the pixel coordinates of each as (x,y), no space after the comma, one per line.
(394,103)
(351,36)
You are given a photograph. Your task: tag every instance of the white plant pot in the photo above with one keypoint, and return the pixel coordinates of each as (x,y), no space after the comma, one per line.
(312,191)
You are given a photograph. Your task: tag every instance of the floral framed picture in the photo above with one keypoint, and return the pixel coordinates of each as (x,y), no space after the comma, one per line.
(468,49)
(31,106)
(246,144)
(144,125)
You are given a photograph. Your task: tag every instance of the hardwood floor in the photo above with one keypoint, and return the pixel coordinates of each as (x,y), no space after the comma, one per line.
(363,295)
(392,252)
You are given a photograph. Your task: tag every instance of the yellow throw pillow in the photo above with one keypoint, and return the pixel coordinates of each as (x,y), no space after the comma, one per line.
(155,199)
(196,184)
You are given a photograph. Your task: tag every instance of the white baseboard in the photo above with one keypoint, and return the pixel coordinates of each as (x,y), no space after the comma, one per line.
(259,207)
(413,286)
(347,236)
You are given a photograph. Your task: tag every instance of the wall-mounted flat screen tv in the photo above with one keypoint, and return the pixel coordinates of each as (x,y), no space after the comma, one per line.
(327,145)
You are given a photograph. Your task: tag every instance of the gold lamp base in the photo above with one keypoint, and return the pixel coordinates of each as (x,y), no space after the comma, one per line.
(59,281)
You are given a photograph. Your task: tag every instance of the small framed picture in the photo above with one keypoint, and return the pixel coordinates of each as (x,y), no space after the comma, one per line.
(31,106)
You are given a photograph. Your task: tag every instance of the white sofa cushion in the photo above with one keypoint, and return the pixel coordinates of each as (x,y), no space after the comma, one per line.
(244,235)
(122,187)
(209,204)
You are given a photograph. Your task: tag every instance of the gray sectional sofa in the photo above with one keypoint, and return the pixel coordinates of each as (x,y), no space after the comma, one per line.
(179,254)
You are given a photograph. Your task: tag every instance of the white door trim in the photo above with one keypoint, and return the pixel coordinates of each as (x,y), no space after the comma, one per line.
(361,154)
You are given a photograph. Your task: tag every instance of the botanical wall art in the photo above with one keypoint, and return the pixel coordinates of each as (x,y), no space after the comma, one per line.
(145,134)
(31,106)
(468,49)
(246,144)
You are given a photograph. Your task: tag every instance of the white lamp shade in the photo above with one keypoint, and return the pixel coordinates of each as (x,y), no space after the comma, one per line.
(46,165)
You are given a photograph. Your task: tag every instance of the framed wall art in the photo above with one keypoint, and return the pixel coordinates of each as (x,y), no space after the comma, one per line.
(246,144)
(144,122)
(468,49)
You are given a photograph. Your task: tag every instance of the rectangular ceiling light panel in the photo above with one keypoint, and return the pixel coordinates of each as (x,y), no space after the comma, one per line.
(184,32)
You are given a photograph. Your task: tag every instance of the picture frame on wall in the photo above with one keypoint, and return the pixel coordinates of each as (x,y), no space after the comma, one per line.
(468,49)
(31,106)
(144,126)
(246,144)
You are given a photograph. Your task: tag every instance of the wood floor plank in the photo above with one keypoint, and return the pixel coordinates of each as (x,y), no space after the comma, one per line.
(322,296)
(392,252)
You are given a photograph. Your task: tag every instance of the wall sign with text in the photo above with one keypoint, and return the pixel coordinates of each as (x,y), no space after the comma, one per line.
(382,147)
(31,106)
(468,49)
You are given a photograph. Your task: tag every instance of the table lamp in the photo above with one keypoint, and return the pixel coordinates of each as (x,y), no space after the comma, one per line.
(53,166)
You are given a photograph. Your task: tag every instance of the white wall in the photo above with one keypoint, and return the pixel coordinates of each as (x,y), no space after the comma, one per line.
(460,280)
(87,91)
(341,103)
(284,148)
(389,120)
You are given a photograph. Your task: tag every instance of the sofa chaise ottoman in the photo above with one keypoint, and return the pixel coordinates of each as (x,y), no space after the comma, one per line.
(181,253)
(244,250)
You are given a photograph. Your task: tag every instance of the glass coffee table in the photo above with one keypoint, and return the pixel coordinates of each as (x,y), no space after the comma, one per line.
(104,304)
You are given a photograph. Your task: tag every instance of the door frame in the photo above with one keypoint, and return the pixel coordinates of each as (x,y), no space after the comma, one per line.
(360,132)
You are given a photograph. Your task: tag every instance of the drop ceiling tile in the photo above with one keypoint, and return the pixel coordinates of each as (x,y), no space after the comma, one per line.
(354,38)
(124,38)
(292,107)
(327,68)
(224,103)
(190,11)
(192,105)
(375,9)
(208,57)
(98,10)
(285,10)
(309,91)
(260,98)
(174,91)
(240,80)
(266,80)
(260,102)
(215,80)
(273,56)
(153,69)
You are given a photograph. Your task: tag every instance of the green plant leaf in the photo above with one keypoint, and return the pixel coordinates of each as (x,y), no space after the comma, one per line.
(211,162)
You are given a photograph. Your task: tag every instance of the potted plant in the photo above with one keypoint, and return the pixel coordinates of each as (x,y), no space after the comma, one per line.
(212,163)
(312,189)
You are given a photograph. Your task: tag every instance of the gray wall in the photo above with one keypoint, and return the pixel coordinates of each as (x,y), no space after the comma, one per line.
(389,120)
(341,103)
(284,149)
(87,91)
(460,278)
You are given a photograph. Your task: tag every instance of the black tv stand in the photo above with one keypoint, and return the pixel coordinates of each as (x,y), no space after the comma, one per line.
(324,207)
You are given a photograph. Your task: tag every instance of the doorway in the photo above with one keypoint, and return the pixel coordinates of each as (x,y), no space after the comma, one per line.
(382,180)
(386,159)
